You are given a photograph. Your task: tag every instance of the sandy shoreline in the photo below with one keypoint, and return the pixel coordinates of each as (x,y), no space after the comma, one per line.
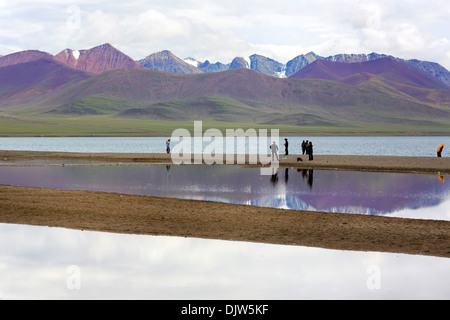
(429,165)
(162,216)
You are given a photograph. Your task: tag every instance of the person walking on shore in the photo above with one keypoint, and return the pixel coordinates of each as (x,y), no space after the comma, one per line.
(274,149)
(168,146)
(439,150)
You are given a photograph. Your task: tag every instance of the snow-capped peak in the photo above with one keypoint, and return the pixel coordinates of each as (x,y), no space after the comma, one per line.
(76,54)
(281,74)
(191,61)
(249,62)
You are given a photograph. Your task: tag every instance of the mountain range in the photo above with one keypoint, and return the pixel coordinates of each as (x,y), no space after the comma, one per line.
(334,91)
(274,68)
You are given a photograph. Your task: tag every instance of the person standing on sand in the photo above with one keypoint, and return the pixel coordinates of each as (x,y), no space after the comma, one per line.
(286,147)
(309,151)
(439,150)
(168,146)
(303,147)
(274,149)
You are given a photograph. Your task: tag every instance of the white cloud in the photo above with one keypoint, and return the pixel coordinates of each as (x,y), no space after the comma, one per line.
(220,30)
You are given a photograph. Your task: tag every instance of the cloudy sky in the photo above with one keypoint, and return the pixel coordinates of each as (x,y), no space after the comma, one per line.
(220,30)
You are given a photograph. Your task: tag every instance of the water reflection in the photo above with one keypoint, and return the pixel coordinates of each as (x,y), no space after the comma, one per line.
(308,175)
(56,263)
(332,191)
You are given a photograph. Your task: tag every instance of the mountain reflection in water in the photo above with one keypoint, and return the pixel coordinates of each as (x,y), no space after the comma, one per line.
(424,196)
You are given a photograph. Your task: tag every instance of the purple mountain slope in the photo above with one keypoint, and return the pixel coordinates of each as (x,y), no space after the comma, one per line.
(22,57)
(384,67)
(383,75)
(35,78)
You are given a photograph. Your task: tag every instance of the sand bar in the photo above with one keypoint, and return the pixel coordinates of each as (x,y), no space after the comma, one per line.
(429,165)
(117,213)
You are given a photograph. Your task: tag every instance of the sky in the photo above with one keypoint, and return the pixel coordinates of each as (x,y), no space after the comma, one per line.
(219,30)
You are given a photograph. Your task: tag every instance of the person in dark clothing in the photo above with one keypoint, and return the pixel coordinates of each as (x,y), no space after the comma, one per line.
(309,150)
(303,147)
(286,147)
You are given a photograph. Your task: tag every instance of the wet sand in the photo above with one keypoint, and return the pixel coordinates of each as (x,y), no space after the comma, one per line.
(429,165)
(117,213)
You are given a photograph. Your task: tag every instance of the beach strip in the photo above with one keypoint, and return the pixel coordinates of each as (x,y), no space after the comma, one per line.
(428,165)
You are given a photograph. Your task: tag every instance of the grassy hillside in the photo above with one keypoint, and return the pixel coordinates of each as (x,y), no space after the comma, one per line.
(93,105)
(215,108)
(27,124)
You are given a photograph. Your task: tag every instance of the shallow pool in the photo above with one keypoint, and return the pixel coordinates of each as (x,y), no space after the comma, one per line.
(390,194)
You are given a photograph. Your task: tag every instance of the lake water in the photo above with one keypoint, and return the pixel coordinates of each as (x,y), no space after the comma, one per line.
(388,194)
(391,146)
(56,263)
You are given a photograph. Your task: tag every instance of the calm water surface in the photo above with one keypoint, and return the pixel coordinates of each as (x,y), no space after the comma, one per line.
(56,263)
(392,146)
(389,194)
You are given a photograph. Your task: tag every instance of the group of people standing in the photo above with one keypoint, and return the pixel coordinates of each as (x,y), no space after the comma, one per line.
(307,148)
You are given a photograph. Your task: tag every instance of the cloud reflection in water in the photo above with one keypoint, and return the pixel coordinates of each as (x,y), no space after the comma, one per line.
(34,264)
